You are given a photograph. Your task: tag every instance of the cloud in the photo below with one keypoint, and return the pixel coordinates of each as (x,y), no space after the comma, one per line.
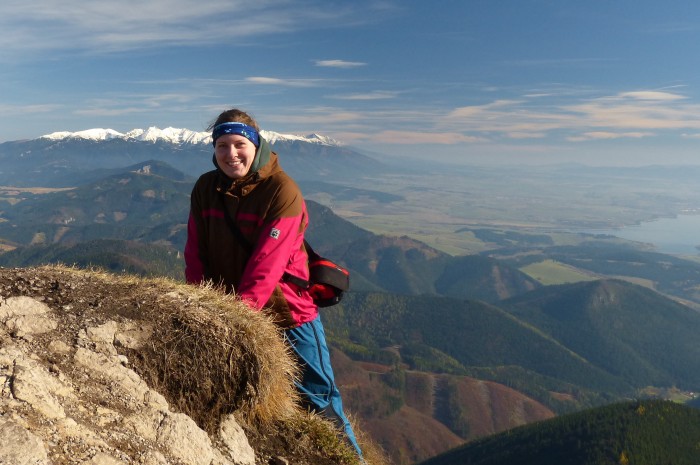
(507,117)
(631,114)
(339,64)
(376,95)
(604,135)
(313,117)
(651,95)
(479,110)
(270,81)
(526,135)
(411,137)
(109,111)
(638,110)
(28,109)
(105,26)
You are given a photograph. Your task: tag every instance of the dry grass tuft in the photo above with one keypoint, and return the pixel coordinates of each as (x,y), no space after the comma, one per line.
(214,356)
(208,353)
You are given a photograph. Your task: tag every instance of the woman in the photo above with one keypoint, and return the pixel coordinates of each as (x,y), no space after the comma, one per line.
(245,230)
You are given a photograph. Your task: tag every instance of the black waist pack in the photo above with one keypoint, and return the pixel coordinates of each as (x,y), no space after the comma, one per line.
(327,280)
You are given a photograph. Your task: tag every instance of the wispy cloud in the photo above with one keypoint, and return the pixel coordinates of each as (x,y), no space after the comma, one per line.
(271,81)
(339,64)
(110,111)
(414,137)
(104,26)
(376,95)
(526,135)
(632,114)
(28,109)
(130,104)
(642,110)
(604,135)
(651,95)
(316,116)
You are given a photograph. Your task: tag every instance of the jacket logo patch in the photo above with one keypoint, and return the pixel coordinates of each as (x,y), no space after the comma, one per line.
(275,233)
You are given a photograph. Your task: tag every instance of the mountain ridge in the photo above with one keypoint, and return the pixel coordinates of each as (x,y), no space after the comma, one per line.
(177,136)
(66,161)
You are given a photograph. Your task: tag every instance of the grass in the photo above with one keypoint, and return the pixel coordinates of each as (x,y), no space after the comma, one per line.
(549,272)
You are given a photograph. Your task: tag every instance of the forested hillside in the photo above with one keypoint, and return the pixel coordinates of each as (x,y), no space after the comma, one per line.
(579,342)
(639,433)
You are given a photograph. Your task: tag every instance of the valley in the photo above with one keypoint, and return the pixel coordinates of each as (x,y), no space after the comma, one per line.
(479,302)
(442,207)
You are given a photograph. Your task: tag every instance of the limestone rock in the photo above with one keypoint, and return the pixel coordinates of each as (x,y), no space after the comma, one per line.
(77,388)
(18,446)
(72,390)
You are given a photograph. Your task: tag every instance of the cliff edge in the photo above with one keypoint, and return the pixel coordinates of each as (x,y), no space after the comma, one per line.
(102,369)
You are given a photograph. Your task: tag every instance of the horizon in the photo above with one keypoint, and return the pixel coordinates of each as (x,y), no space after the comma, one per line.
(462,82)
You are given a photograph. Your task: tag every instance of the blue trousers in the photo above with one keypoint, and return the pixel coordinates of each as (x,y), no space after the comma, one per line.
(317,386)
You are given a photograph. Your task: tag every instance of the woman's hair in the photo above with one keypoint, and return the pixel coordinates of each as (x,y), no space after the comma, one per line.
(234,115)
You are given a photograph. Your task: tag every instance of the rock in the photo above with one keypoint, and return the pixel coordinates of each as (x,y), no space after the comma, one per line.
(20,447)
(75,388)
(97,392)
(24,316)
(235,440)
(32,383)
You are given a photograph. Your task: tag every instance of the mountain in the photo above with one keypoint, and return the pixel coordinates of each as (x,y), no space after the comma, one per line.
(566,346)
(445,365)
(433,350)
(66,159)
(629,331)
(415,415)
(177,136)
(668,274)
(406,266)
(467,337)
(149,202)
(126,205)
(117,256)
(639,433)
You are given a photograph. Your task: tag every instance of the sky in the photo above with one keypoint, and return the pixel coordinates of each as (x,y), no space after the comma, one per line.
(601,82)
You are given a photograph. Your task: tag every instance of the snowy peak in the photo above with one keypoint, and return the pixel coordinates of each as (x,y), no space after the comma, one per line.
(273,137)
(90,134)
(177,136)
(173,135)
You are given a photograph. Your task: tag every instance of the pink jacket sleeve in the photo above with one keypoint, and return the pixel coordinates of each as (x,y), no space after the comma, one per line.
(279,239)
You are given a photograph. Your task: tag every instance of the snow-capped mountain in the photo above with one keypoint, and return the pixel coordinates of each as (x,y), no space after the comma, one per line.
(66,159)
(178,136)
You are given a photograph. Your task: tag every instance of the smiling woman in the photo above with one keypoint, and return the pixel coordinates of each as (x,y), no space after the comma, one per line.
(234,153)
(246,234)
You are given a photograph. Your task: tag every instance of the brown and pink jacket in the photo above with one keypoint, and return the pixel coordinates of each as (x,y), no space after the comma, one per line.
(270,212)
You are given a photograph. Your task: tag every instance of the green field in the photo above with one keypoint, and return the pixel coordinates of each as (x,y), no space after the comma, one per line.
(550,272)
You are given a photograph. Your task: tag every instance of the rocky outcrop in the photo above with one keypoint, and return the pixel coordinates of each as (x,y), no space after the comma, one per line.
(103,370)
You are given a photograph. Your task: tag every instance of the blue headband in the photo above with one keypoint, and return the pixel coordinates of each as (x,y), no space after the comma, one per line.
(241,129)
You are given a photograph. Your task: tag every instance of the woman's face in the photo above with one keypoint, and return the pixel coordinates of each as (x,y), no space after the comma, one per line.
(234,155)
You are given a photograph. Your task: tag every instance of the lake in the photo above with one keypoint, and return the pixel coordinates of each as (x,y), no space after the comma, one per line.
(679,235)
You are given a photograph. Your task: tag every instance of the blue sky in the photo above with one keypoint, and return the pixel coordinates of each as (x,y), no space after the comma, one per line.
(477,81)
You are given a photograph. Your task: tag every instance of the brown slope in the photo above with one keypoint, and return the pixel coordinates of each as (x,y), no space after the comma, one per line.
(417,415)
